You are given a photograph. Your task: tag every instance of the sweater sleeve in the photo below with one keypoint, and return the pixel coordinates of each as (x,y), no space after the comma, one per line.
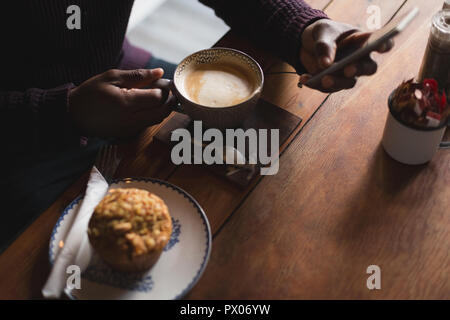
(36,119)
(275,25)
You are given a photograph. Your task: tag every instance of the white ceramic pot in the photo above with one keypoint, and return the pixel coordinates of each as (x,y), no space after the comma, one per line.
(411,145)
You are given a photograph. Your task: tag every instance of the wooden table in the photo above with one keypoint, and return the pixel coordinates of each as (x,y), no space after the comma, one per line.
(337,205)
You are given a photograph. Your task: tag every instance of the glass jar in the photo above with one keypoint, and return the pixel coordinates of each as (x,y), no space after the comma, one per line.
(436,61)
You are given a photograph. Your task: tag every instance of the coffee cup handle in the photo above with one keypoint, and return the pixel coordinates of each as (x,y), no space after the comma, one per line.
(444,145)
(166,87)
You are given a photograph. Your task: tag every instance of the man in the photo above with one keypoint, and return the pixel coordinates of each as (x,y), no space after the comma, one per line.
(58,84)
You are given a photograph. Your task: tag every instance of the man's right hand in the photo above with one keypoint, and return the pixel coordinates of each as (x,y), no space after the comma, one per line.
(113,104)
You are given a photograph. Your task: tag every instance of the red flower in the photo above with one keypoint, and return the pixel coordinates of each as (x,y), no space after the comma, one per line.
(432,84)
(443,103)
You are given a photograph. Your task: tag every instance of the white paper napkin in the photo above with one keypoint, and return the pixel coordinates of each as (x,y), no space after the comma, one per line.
(76,250)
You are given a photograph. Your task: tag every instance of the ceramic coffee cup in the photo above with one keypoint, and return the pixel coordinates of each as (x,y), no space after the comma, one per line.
(411,145)
(229,116)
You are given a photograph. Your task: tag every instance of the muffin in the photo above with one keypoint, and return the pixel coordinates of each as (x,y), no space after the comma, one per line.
(129,229)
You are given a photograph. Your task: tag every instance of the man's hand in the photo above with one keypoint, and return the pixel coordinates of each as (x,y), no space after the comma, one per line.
(113,104)
(322,40)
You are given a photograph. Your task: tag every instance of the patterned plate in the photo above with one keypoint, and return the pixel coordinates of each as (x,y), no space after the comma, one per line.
(179,267)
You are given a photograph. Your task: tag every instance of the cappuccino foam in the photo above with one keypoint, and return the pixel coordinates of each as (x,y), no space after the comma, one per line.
(218,85)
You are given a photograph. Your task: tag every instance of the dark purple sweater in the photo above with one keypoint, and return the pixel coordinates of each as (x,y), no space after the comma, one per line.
(42,59)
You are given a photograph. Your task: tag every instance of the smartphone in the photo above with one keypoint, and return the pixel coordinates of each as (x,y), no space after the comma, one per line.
(377,38)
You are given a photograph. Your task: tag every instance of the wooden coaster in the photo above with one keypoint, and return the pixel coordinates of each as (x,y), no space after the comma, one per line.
(266,116)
